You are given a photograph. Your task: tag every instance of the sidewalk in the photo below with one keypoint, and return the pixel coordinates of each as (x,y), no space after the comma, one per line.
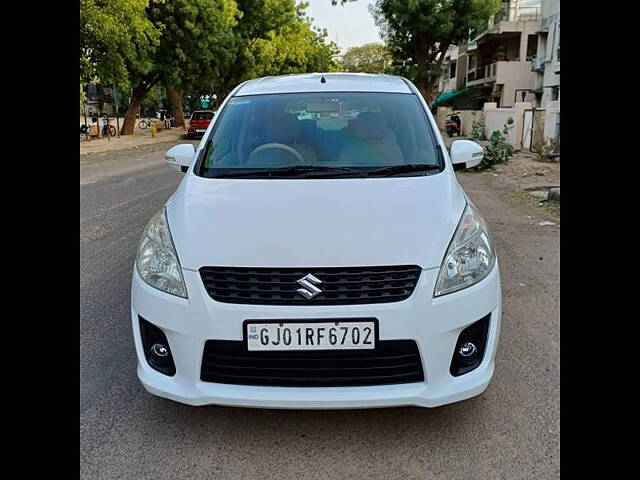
(103,145)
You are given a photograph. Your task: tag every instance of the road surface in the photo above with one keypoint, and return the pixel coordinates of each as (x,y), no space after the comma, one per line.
(511,431)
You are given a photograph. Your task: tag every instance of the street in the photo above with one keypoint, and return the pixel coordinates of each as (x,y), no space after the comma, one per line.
(511,431)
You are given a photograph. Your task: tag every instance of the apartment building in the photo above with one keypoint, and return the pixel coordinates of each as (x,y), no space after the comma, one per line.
(546,63)
(499,56)
(448,80)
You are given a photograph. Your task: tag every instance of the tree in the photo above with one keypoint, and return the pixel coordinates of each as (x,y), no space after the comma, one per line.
(192,52)
(213,45)
(368,58)
(275,37)
(113,33)
(259,20)
(195,43)
(419,32)
(423,30)
(297,48)
(156,96)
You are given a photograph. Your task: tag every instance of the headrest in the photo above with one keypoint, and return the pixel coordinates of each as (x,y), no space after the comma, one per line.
(283,128)
(370,125)
(307,126)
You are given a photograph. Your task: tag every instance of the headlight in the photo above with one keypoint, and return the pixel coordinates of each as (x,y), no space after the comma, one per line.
(470,256)
(157,260)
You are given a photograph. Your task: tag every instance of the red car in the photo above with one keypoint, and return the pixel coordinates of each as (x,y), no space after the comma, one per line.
(199,122)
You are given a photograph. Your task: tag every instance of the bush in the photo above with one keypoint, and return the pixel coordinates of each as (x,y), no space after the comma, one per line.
(498,150)
(477,130)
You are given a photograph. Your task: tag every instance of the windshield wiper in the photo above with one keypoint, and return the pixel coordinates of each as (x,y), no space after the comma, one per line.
(409,167)
(315,171)
(286,171)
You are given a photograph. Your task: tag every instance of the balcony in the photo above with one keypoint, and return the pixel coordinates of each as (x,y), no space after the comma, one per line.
(482,75)
(502,72)
(506,21)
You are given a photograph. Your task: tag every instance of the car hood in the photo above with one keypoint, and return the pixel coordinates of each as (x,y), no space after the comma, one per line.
(314,222)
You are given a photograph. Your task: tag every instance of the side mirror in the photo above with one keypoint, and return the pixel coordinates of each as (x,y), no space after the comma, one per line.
(465,154)
(180,157)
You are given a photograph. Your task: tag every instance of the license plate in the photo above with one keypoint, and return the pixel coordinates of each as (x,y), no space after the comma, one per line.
(336,335)
(201,130)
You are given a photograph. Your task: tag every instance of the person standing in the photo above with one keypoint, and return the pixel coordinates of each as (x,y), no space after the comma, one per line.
(105,125)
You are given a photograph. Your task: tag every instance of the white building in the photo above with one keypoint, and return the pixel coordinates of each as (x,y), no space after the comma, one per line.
(448,79)
(547,61)
(547,67)
(499,55)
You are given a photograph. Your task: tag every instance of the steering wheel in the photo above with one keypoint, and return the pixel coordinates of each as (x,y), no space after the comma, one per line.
(279,146)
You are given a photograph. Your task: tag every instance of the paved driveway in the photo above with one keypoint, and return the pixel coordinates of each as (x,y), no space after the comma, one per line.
(511,431)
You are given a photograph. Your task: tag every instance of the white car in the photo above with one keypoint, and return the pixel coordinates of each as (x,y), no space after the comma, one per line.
(330,263)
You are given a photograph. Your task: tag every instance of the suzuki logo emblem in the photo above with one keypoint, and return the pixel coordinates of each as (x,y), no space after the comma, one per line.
(309,283)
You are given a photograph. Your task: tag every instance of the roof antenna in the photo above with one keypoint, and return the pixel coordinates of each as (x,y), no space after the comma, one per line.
(323,80)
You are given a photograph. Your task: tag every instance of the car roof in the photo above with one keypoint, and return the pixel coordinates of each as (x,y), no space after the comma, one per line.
(334,82)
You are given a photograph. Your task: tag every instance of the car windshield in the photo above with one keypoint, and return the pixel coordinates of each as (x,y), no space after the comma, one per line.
(320,135)
(202,116)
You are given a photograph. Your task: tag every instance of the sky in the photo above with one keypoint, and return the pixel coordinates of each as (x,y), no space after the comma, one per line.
(349,25)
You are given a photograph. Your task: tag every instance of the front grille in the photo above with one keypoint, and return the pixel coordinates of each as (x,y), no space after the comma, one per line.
(391,362)
(340,286)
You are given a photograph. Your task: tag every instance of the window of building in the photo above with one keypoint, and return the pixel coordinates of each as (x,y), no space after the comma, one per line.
(452,68)
(532,46)
(472,62)
(555,92)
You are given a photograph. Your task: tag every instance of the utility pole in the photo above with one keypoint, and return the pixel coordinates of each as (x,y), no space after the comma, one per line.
(116,101)
(87,129)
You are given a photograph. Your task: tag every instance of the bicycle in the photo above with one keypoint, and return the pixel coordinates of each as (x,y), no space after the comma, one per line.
(145,124)
(112,131)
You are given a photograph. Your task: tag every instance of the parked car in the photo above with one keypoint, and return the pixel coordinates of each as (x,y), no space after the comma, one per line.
(299,266)
(199,122)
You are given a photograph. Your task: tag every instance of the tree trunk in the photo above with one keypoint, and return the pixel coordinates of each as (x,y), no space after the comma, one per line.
(426,89)
(427,64)
(175,97)
(420,49)
(138,95)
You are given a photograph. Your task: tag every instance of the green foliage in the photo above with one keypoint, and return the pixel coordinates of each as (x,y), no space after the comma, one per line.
(113,35)
(196,47)
(296,48)
(367,58)
(275,37)
(498,151)
(420,32)
(152,101)
(477,130)
(196,38)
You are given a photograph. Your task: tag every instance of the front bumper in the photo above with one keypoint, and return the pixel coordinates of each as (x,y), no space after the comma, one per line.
(433,323)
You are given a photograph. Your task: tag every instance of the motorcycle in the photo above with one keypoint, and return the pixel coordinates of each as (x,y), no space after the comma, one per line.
(453,124)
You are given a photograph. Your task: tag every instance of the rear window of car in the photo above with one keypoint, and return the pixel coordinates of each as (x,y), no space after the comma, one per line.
(202,116)
(358,131)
